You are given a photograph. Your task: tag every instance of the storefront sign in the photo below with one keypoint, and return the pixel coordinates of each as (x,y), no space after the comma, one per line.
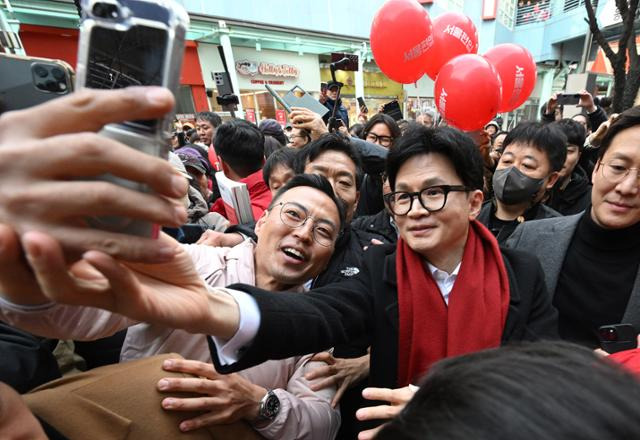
(281,117)
(250,115)
(253,68)
(267,81)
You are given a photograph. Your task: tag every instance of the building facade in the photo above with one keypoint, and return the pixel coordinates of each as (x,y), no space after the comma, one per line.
(287,43)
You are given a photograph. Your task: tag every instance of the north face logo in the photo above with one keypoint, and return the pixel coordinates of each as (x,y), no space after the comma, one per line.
(350,271)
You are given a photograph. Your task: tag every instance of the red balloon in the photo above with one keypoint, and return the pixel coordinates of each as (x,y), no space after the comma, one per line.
(453,34)
(517,71)
(400,39)
(468,92)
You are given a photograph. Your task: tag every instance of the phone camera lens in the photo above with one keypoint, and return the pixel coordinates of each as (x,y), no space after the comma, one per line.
(609,335)
(40,71)
(105,10)
(57,73)
(52,86)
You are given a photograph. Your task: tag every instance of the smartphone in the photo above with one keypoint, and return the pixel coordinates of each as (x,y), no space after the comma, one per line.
(28,81)
(124,43)
(362,105)
(323,88)
(618,337)
(298,97)
(392,109)
(278,98)
(568,99)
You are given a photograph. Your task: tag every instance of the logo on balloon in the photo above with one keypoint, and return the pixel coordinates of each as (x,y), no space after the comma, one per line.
(442,103)
(420,48)
(517,85)
(461,35)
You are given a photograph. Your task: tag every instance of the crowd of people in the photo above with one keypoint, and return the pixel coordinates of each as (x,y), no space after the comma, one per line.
(399,279)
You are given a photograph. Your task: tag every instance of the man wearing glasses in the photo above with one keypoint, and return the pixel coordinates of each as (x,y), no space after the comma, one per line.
(297,235)
(445,289)
(591,259)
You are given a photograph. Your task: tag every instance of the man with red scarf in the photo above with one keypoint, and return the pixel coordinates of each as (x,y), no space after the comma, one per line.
(445,289)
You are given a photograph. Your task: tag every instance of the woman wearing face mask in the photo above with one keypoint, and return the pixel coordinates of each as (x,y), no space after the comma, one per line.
(533,155)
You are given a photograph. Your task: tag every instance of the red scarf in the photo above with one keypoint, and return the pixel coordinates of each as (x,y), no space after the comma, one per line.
(477,311)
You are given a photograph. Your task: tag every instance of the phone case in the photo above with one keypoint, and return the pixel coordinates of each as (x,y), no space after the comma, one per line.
(171,18)
(21,87)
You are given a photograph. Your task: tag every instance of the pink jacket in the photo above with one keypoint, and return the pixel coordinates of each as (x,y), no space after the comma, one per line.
(304,414)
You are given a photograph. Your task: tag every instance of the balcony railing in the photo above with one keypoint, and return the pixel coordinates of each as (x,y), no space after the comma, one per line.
(532,11)
(573,4)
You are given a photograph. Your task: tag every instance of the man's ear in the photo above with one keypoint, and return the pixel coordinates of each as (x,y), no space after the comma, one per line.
(553,178)
(476,197)
(224,166)
(260,223)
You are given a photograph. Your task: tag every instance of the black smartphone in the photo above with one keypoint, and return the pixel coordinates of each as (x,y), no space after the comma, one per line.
(132,43)
(323,88)
(618,337)
(392,109)
(568,99)
(362,105)
(28,81)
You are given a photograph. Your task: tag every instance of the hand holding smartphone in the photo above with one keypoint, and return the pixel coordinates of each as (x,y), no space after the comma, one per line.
(568,99)
(132,43)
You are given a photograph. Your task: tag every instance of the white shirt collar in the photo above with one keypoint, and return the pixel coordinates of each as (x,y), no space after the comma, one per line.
(434,270)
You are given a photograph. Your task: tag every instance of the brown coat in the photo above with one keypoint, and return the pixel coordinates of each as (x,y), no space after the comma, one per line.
(120,402)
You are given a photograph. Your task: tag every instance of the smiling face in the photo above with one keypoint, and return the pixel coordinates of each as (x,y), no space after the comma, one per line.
(340,171)
(617,205)
(437,236)
(291,256)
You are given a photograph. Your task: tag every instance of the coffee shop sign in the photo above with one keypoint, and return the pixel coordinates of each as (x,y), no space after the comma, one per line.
(253,68)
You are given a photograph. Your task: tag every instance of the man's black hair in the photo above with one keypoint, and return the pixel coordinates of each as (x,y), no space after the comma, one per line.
(329,142)
(627,119)
(573,130)
(456,146)
(547,138)
(240,145)
(213,118)
(283,157)
(271,145)
(313,181)
(545,390)
(381,118)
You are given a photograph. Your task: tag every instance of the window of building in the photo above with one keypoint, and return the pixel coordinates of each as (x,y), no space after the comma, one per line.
(533,11)
(451,5)
(573,4)
(184,100)
(507,12)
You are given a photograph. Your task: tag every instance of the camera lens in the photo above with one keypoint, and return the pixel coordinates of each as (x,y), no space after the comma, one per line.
(105,10)
(57,73)
(609,335)
(40,71)
(52,86)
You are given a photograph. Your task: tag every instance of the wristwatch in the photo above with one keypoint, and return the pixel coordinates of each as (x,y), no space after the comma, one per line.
(269,406)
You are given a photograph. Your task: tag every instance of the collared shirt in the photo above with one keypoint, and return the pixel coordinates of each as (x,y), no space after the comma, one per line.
(444,280)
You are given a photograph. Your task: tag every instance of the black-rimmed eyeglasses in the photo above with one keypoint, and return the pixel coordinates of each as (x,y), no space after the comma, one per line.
(432,198)
(295,216)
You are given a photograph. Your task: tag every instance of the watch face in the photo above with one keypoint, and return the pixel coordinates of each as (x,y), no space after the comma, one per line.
(271,406)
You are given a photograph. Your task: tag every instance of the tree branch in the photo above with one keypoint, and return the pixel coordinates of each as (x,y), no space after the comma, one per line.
(597,34)
(628,18)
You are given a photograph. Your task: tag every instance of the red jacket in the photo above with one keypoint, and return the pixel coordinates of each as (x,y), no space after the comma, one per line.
(258,193)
